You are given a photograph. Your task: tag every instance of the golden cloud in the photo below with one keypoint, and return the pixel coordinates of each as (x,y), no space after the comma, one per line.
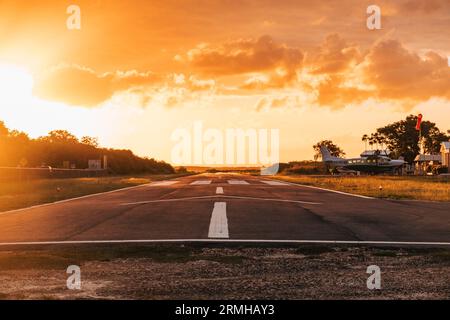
(81,86)
(335,55)
(245,56)
(338,74)
(398,73)
(334,93)
(334,74)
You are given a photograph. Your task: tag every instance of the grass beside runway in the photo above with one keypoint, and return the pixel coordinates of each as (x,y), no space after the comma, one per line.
(15,195)
(392,187)
(193,271)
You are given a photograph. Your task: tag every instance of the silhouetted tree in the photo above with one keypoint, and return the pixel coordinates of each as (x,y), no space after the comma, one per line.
(402,138)
(3,130)
(365,139)
(89,141)
(331,146)
(17,149)
(62,136)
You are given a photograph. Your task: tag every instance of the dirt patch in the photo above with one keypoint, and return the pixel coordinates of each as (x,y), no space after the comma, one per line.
(194,272)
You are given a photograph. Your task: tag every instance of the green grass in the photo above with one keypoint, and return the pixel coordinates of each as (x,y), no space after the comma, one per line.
(392,187)
(15,195)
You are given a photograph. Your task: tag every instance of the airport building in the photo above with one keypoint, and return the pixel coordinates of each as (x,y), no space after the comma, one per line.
(445,155)
(425,163)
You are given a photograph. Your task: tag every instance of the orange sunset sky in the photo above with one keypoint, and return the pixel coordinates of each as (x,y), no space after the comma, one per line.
(138,70)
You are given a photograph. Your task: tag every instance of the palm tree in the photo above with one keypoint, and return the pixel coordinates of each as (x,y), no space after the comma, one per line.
(365,138)
(382,140)
(373,140)
(377,139)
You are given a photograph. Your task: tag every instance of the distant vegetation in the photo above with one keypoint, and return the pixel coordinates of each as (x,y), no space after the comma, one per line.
(59,146)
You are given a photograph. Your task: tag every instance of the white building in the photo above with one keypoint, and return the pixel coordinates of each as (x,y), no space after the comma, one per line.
(445,154)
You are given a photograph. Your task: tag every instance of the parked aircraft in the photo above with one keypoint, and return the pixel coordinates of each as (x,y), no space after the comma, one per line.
(375,163)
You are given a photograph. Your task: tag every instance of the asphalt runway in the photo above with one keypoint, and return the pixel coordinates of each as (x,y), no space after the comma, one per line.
(227,207)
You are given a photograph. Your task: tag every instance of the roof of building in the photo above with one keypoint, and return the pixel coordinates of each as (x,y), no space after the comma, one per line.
(428,157)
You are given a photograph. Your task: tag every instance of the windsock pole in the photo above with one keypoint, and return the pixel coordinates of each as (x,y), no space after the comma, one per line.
(419,128)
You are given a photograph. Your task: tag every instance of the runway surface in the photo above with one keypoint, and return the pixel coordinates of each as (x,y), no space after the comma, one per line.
(227,207)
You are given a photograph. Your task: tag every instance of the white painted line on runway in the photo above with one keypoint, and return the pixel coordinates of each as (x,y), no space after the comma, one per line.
(237,182)
(274,183)
(218,196)
(168,200)
(401,243)
(201,182)
(329,190)
(218,227)
(219,190)
(162,183)
(270,199)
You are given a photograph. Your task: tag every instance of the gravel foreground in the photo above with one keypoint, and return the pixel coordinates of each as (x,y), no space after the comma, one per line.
(194,272)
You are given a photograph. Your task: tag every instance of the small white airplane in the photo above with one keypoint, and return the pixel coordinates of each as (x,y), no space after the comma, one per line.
(375,163)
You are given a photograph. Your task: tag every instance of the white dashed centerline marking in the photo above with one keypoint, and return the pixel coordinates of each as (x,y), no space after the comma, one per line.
(201,182)
(218,227)
(219,190)
(237,182)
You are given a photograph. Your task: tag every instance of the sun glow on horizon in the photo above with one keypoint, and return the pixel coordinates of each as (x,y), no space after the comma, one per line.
(15,82)
(20,109)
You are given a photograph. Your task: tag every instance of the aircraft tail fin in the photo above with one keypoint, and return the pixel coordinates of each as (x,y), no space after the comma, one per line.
(326,155)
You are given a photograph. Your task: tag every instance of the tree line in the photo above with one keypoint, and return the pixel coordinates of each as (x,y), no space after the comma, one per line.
(17,149)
